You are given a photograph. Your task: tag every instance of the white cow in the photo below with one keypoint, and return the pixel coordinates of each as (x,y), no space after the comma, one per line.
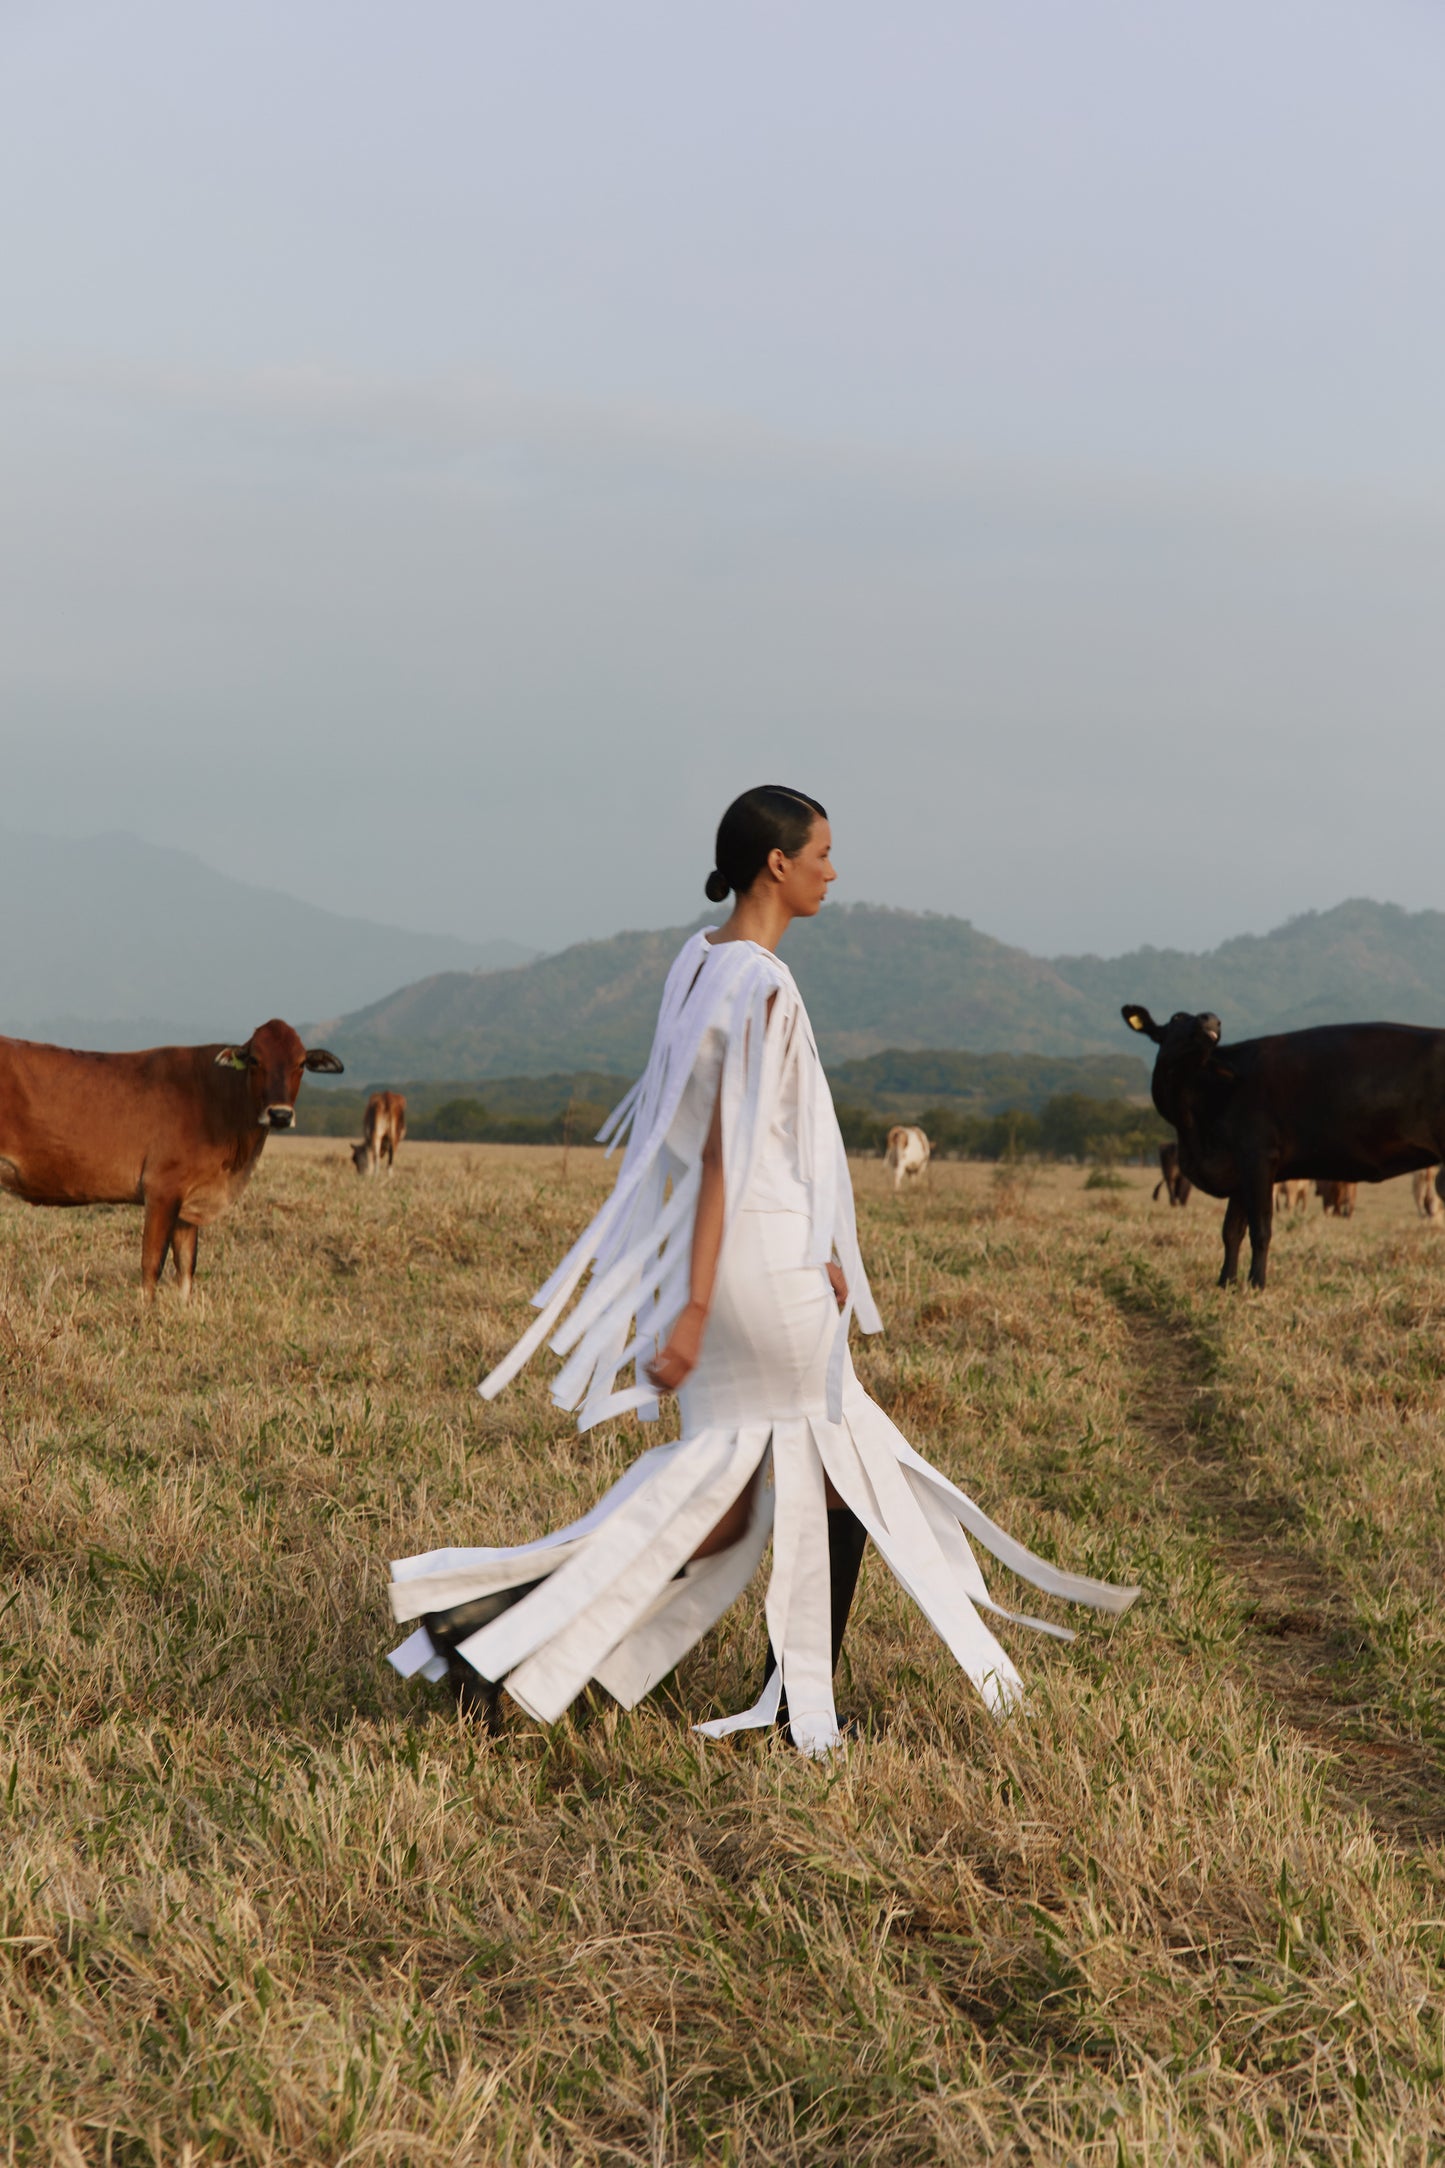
(1427,1196)
(908,1154)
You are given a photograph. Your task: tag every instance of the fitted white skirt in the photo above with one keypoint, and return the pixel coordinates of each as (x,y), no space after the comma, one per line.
(618,1601)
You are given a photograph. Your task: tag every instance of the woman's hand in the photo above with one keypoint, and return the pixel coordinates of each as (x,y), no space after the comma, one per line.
(674,1365)
(838,1284)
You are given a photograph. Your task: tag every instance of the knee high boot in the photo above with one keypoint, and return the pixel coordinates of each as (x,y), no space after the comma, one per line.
(847,1540)
(472,1694)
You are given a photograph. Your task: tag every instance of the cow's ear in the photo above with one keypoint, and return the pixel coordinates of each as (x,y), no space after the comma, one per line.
(233,1057)
(1139,1019)
(326,1064)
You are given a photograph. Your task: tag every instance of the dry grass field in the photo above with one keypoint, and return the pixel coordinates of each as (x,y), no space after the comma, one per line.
(263,1902)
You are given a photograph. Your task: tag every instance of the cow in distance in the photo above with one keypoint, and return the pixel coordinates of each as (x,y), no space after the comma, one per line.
(1338,1103)
(1425,1183)
(1171,1179)
(1291,1196)
(382,1131)
(908,1153)
(1338,1198)
(177,1130)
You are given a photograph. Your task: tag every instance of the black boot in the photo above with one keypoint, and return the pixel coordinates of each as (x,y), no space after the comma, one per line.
(847,1540)
(473,1695)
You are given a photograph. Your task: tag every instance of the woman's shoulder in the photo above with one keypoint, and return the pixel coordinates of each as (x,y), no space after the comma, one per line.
(717,972)
(741,957)
(693,951)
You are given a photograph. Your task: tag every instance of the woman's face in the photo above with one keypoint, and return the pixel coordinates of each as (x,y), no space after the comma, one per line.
(804,880)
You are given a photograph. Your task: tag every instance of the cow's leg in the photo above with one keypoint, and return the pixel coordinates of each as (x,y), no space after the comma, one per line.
(1236,1219)
(183,1249)
(1261,1226)
(160,1224)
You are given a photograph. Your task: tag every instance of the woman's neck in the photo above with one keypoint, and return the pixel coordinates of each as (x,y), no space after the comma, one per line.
(761,916)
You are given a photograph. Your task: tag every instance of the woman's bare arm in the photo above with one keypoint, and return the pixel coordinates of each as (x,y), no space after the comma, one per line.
(675,1363)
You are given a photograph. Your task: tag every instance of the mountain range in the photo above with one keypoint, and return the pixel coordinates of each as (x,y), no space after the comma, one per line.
(876,979)
(115,942)
(111,942)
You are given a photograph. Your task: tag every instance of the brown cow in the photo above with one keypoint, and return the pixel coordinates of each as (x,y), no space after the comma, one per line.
(382,1132)
(1171,1176)
(1428,1203)
(177,1129)
(1338,1197)
(1291,1196)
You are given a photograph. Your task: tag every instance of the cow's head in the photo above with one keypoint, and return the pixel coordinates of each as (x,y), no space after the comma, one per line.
(1185,1041)
(273,1060)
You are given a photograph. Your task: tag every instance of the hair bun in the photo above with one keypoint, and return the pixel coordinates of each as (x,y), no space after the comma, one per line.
(716,886)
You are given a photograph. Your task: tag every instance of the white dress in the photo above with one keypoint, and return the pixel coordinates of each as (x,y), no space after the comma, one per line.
(618,1600)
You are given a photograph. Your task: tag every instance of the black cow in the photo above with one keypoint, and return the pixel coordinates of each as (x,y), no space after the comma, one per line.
(1341,1103)
(1170,1178)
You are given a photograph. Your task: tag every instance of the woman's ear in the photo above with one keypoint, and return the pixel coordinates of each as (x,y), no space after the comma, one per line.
(778,864)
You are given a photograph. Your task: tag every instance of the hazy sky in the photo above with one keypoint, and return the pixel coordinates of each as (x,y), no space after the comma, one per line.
(446,451)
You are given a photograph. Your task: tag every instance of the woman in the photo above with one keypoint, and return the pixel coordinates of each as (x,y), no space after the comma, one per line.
(728,1251)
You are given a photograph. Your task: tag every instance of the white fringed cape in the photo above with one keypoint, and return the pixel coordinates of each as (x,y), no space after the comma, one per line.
(620,1602)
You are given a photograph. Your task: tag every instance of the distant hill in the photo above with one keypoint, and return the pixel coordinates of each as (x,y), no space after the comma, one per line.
(872,978)
(1359,961)
(592,1007)
(877,979)
(126,944)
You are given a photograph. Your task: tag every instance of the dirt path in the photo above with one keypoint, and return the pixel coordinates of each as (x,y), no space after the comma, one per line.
(1295,1648)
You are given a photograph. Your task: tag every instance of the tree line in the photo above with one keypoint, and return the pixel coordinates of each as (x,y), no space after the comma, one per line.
(460,1120)
(553,1110)
(1070,1125)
